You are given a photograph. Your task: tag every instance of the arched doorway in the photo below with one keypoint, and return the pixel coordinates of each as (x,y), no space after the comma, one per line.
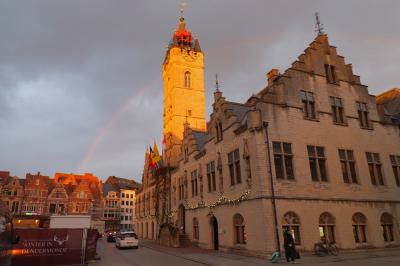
(214,233)
(182,218)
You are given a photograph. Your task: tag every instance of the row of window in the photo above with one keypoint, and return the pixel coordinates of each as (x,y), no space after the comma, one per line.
(127,195)
(283,160)
(239,234)
(327,227)
(126,218)
(309,110)
(14,205)
(284,169)
(127,210)
(130,203)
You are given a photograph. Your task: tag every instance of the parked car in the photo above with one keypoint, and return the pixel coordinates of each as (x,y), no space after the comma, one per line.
(127,240)
(111,236)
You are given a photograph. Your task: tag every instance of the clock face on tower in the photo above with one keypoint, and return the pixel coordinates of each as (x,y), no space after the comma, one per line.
(189,55)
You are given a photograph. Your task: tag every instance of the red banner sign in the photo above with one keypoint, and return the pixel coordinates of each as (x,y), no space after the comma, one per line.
(52,246)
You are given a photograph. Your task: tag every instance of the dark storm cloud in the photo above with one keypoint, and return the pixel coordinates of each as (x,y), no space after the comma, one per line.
(80,81)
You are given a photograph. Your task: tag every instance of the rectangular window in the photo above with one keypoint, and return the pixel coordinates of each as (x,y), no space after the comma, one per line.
(194,183)
(362,111)
(395,161)
(330,74)
(316,157)
(218,131)
(234,167)
(307,98)
(337,109)
(52,208)
(283,159)
(375,168)
(211,176)
(348,166)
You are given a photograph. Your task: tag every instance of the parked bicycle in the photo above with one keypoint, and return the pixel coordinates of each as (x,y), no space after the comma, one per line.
(322,249)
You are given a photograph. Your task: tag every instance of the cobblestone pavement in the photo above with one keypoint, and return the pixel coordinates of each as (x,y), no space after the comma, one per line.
(150,253)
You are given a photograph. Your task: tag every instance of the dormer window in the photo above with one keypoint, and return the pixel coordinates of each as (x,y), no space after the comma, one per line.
(218,130)
(330,74)
(187,79)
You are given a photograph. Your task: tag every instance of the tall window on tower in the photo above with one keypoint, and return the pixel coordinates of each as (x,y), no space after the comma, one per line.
(187,79)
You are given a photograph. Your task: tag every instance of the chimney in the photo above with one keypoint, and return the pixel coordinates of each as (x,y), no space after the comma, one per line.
(272,75)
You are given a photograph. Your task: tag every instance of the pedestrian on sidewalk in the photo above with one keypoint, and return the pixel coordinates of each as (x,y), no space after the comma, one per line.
(290,250)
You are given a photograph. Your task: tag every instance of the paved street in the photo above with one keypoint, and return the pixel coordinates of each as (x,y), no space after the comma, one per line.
(150,253)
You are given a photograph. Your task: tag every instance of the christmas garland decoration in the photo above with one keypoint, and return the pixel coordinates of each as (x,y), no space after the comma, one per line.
(222,200)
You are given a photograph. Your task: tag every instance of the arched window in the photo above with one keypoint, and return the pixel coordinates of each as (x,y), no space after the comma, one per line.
(327,227)
(359,227)
(387,227)
(291,222)
(195,228)
(238,224)
(187,79)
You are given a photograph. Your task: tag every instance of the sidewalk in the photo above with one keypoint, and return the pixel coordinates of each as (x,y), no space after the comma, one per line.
(389,256)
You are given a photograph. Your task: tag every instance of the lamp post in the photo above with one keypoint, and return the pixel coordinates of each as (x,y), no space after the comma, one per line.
(277,241)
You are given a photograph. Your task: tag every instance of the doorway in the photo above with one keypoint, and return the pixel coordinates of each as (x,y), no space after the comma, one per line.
(182,218)
(214,233)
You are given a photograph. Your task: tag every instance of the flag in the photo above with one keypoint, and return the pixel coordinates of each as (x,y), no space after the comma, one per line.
(151,162)
(156,159)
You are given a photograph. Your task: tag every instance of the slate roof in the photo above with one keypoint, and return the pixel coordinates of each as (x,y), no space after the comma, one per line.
(389,102)
(238,109)
(201,138)
(107,188)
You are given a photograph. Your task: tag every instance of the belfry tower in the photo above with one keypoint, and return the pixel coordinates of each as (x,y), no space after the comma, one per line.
(184,101)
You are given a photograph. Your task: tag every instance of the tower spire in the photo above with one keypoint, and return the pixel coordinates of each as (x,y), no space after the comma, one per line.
(319,29)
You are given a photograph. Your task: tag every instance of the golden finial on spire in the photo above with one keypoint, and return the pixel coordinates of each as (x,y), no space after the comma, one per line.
(182,5)
(318,25)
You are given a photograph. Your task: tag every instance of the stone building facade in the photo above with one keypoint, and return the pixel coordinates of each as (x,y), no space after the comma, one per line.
(312,152)
(111,210)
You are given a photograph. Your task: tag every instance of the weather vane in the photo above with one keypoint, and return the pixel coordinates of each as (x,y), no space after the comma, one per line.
(182,5)
(216,82)
(318,25)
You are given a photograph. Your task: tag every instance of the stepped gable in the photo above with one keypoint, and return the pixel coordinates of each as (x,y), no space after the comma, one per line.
(310,61)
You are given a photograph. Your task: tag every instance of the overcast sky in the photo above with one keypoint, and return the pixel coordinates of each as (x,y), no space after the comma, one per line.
(80,80)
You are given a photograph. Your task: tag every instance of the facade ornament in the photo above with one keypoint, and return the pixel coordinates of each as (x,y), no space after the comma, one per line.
(246,157)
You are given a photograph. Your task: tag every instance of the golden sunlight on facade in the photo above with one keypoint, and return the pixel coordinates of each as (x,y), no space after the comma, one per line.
(312,152)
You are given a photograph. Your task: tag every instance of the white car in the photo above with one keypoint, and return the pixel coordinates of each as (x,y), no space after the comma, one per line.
(127,240)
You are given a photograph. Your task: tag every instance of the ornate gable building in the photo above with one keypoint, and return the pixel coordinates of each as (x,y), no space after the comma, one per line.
(312,152)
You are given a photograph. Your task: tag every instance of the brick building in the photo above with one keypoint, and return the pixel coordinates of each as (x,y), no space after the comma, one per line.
(36,190)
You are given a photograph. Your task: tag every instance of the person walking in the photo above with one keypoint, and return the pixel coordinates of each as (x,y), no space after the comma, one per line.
(290,250)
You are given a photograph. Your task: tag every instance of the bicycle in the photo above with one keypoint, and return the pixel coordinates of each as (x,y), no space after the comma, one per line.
(323,249)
